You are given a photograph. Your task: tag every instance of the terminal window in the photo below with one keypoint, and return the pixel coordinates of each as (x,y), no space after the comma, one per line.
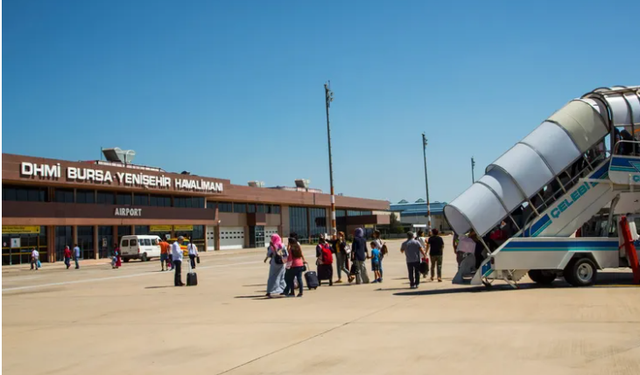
(23,193)
(85,196)
(64,195)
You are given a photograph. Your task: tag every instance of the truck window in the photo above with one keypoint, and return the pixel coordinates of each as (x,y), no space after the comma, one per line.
(125,243)
(133,242)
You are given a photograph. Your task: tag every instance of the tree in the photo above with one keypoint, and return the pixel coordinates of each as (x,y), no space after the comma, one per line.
(394,224)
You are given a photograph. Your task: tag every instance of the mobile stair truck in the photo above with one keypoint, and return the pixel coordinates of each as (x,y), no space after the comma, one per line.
(580,162)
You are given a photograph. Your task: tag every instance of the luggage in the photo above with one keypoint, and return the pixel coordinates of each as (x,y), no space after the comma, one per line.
(192,279)
(424,266)
(311,278)
(354,270)
(325,272)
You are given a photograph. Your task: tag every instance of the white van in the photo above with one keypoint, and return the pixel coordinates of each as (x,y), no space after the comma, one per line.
(139,247)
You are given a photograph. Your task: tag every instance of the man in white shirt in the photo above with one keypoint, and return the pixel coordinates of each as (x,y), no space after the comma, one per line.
(193,254)
(35,255)
(465,250)
(176,254)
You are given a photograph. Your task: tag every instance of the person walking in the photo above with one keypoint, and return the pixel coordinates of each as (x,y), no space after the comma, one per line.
(382,248)
(412,250)
(324,261)
(297,265)
(76,255)
(435,244)
(466,248)
(375,261)
(359,255)
(67,256)
(35,258)
(164,255)
(423,242)
(193,254)
(277,255)
(342,251)
(176,254)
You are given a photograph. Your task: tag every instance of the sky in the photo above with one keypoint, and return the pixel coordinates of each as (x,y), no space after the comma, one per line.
(234,89)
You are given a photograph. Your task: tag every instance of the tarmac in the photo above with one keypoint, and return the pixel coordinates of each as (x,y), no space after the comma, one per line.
(132,320)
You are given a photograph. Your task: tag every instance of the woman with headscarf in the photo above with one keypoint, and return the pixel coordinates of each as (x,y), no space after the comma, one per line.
(278,255)
(359,255)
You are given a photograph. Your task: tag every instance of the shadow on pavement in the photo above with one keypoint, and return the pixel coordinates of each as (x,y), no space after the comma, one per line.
(605,280)
(160,287)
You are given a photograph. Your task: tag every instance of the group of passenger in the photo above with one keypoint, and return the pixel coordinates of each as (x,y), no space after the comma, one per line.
(287,263)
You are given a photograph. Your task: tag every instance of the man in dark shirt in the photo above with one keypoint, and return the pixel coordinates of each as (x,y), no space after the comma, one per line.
(359,255)
(435,246)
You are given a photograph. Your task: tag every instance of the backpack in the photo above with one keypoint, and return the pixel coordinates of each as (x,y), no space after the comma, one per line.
(384,251)
(277,256)
(327,256)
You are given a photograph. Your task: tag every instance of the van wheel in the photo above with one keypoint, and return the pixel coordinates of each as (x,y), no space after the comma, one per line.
(144,258)
(542,277)
(581,272)
(126,260)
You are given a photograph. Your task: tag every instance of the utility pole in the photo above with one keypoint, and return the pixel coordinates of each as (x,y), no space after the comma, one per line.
(426,180)
(473,168)
(328,95)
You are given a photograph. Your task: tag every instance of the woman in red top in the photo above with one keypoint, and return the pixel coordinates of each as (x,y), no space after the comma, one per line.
(67,257)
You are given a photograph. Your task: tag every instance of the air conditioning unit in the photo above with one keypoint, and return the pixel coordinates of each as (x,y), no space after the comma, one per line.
(302,183)
(259,184)
(117,155)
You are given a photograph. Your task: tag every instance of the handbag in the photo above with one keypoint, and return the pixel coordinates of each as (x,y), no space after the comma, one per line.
(198,259)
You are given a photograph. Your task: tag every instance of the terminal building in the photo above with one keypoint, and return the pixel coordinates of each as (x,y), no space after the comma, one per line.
(49,204)
(413,216)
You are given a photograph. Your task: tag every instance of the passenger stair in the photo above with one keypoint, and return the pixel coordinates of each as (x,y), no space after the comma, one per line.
(555,179)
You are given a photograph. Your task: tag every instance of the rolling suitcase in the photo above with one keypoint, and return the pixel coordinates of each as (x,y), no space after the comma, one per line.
(325,272)
(192,277)
(311,278)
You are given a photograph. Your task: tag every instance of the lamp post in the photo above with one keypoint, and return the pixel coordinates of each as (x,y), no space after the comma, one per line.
(473,168)
(328,95)
(426,180)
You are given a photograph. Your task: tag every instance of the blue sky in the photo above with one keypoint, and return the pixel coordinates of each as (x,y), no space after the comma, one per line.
(234,89)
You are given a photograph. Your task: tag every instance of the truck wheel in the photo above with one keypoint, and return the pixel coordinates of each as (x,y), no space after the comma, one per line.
(144,258)
(581,272)
(542,277)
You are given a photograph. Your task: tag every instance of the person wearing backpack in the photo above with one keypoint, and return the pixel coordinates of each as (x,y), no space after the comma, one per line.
(324,261)
(276,254)
(383,250)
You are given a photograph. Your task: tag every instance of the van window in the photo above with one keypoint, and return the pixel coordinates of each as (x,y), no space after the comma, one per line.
(146,241)
(134,242)
(125,243)
(154,241)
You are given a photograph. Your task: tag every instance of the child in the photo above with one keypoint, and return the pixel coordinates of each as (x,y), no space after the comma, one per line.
(375,261)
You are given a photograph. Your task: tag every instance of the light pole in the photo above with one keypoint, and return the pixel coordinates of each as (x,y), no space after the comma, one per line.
(426,180)
(328,96)
(473,168)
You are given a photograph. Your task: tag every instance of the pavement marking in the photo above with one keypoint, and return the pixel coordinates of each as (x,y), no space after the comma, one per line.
(115,277)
